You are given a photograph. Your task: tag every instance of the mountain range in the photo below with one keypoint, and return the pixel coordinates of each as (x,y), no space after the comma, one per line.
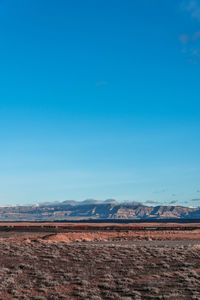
(97,210)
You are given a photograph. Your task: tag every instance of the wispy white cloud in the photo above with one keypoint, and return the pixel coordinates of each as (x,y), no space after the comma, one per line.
(151,202)
(191,46)
(193,8)
(187,38)
(173,202)
(184,38)
(190,42)
(192,54)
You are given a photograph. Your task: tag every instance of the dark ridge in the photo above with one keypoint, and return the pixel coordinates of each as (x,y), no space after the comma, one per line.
(116,221)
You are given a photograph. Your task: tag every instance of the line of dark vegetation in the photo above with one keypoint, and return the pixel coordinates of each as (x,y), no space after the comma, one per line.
(115,221)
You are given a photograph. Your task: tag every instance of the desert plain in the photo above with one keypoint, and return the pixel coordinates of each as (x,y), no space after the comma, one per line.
(95,265)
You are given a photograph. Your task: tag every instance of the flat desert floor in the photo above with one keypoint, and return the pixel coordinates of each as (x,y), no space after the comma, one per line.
(119,266)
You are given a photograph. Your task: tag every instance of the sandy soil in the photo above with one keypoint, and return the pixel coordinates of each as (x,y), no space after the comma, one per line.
(90,236)
(121,236)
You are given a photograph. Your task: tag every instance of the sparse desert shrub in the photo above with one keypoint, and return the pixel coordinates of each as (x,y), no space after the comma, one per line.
(80,294)
(37,298)
(125,298)
(105,286)
(97,272)
(94,297)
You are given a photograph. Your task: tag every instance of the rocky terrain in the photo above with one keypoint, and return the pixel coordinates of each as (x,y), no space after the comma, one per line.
(91,209)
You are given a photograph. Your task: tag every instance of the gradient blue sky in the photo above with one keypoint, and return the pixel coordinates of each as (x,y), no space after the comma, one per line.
(100,99)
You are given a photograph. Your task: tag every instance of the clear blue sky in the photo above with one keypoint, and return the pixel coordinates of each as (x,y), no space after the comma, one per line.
(100,99)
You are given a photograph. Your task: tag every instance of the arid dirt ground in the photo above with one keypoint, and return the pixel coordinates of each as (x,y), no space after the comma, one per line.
(101,265)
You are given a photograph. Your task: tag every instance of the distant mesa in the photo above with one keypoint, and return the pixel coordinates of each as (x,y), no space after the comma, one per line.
(96,210)
(90,201)
(110,201)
